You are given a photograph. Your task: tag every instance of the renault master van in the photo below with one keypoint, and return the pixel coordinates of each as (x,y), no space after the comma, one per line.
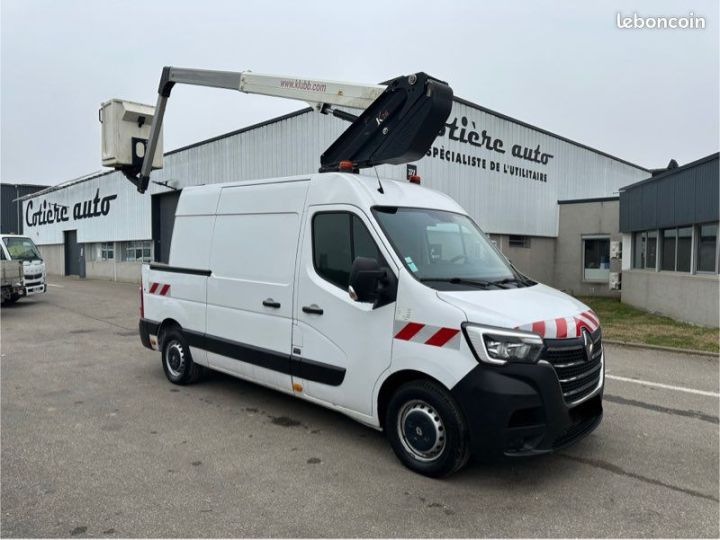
(384,302)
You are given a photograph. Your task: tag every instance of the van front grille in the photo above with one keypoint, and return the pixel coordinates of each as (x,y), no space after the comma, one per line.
(579,375)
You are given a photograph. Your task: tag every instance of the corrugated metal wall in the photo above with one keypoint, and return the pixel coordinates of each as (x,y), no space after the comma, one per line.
(504,193)
(10,208)
(685,196)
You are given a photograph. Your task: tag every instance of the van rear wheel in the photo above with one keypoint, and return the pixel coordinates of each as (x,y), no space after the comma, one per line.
(177,360)
(426,429)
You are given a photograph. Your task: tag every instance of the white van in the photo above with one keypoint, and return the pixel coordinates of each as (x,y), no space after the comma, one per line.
(387,304)
(21,248)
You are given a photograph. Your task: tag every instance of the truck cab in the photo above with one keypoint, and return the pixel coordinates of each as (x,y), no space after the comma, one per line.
(382,300)
(22,248)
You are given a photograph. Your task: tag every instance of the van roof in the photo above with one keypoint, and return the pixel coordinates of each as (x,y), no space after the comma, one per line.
(329,188)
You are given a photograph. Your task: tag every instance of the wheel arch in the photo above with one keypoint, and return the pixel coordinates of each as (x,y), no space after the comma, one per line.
(395,381)
(165,326)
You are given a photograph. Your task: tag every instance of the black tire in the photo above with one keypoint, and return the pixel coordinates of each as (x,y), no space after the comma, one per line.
(177,360)
(12,299)
(433,438)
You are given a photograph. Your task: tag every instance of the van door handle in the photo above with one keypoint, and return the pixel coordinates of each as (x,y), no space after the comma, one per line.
(269,302)
(314,309)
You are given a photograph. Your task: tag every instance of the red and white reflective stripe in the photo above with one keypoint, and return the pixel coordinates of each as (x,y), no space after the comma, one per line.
(159,288)
(426,334)
(564,327)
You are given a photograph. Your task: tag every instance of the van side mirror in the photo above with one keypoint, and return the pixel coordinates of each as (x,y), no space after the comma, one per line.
(371,283)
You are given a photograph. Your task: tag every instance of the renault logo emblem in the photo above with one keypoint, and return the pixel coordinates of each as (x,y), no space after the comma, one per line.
(588,344)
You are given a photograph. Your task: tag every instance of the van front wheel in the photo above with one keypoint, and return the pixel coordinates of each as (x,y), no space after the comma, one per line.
(177,361)
(426,429)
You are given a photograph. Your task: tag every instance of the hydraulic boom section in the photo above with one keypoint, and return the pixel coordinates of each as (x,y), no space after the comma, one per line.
(399,122)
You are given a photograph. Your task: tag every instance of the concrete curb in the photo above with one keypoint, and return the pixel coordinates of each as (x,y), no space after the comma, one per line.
(659,348)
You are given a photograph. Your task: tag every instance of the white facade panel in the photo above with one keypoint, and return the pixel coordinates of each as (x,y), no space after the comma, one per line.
(100,209)
(475,161)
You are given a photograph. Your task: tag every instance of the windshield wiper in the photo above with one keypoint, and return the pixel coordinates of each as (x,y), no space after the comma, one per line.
(463,281)
(522,281)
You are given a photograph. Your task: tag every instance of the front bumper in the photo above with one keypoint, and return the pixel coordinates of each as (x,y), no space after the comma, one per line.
(34,288)
(34,280)
(519,410)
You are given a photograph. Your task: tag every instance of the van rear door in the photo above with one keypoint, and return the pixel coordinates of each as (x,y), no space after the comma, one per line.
(250,291)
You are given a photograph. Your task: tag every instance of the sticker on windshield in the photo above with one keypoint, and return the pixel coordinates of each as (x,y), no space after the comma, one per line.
(411,264)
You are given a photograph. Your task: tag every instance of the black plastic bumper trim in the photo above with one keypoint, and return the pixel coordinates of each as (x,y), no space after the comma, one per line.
(147,328)
(179,270)
(519,410)
(294,365)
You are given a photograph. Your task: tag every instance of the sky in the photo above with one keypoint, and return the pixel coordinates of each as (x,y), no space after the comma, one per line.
(642,95)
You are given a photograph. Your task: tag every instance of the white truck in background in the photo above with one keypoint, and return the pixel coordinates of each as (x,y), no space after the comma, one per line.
(22,249)
(11,279)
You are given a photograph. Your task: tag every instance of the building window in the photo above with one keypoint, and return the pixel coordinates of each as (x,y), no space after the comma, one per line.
(667,256)
(518,241)
(684,249)
(639,250)
(651,250)
(676,249)
(138,250)
(596,259)
(707,248)
(107,251)
(645,250)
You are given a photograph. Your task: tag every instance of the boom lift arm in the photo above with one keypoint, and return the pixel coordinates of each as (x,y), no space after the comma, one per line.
(398,124)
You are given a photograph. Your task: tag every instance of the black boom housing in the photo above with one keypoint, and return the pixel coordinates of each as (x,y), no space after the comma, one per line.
(398,127)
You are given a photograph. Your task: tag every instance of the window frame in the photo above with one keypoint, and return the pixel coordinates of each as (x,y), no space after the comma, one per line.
(647,233)
(135,245)
(350,213)
(642,235)
(662,249)
(676,237)
(526,242)
(105,248)
(599,236)
(696,249)
(692,254)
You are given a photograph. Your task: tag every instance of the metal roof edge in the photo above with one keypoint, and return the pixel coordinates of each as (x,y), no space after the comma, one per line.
(669,172)
(65,184)
(590,200)
(23,185)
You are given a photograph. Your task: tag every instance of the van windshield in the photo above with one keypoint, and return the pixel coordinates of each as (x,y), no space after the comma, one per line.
(21,248)
(445,250)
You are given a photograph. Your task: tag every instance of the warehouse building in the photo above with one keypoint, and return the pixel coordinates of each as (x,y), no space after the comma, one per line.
(545,200)
(671,253)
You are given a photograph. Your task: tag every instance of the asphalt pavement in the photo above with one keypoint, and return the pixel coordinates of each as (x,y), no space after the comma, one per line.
(96,442)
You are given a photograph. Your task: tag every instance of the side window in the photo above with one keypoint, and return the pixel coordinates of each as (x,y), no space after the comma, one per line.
(363,243)
(2,254)
(338,238)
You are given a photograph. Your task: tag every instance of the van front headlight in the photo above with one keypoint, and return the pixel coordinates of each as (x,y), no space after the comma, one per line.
(500,345)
